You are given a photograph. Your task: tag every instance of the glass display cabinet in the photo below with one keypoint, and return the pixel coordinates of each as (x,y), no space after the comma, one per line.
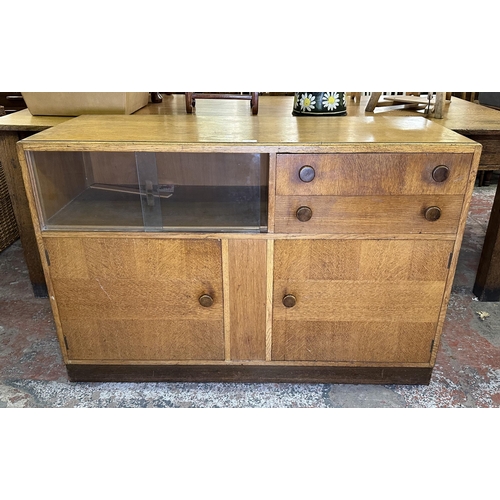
(149,191)
(249,248)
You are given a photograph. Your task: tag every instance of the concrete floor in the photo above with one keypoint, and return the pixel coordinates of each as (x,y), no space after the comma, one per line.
(467,372)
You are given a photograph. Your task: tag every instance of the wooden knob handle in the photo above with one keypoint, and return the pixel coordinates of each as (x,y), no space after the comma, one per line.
(289,300)
(440,173)
(304,214)
(432,213)
(307,173)
(205,300)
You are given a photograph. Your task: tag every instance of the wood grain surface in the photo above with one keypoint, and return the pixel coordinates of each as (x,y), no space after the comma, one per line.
(138,299)
(247,298)
(368,214)
(369,294)
(375,301)
(372,174)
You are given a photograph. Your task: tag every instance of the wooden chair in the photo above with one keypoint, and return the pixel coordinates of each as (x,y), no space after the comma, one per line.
(191,97)
(410,100)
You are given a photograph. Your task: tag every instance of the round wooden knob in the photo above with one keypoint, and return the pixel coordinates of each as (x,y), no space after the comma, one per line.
(432,213)
(440,173)
(304,214)
(289,300)
(206,300)
(307,173)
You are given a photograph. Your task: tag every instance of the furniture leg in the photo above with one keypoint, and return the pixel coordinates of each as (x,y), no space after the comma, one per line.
(438,107)
(17,192)
(156,97)
(487,284)
(480,178)
(189,102)
(372,103)
(255,103)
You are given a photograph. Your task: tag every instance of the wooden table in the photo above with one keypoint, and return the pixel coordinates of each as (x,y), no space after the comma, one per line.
(13,128)
(477,122)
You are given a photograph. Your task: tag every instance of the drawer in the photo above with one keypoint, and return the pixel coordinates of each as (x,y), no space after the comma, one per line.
(368,214)
(365,174)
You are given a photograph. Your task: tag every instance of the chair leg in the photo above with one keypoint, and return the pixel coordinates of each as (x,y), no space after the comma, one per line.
(156,97)
(488,174)
(480,178)
(372,103)
(439,104)
(254,102)
(189,102)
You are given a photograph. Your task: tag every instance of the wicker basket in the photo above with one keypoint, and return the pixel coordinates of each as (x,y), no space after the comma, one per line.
(8,226)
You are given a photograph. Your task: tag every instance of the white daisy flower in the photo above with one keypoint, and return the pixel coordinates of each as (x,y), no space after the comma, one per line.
(331,100)
(307,102)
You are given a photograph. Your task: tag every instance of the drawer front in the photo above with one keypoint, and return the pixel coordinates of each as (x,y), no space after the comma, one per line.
(350,174)
(368,214)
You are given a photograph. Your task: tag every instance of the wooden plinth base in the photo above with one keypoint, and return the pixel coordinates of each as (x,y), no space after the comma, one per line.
(248,373)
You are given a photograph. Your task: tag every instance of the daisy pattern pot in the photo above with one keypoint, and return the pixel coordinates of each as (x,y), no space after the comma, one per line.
(319,103)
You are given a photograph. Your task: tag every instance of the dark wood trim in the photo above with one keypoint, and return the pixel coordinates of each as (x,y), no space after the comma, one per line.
(191,97)
(208,95)
(249,373)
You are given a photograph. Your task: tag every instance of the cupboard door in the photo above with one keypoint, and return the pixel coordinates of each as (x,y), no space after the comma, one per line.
(138,299)
(357,301)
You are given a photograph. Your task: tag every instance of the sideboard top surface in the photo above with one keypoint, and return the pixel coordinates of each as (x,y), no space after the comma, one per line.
(245,131)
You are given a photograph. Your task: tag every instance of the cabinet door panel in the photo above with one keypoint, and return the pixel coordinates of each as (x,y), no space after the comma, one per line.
(138,299)
(358,301)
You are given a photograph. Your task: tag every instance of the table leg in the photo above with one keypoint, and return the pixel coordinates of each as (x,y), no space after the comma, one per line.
(17,192)
(487,285)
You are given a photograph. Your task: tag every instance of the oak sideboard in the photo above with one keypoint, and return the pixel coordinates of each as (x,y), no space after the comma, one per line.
(249,248)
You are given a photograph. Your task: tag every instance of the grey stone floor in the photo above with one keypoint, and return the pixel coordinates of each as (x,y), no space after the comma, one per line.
(467,373)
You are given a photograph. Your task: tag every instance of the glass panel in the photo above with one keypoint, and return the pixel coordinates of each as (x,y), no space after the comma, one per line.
(213,191)
(87,191)
(127,191)
(149,189)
